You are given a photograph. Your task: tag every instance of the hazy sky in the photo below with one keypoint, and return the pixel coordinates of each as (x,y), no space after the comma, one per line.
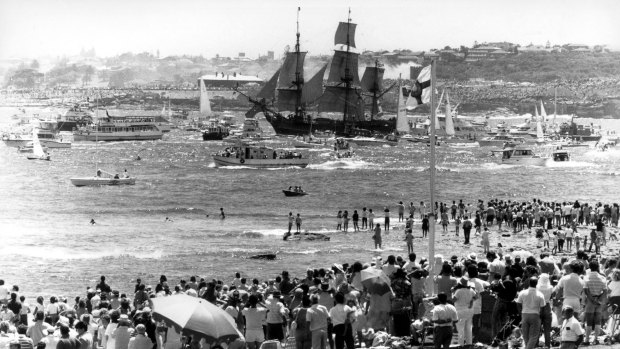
(30,28)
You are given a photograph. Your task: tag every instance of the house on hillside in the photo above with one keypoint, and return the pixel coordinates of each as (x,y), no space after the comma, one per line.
(580,47)
(480,53)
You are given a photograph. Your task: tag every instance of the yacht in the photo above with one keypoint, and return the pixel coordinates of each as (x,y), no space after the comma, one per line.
(521,155)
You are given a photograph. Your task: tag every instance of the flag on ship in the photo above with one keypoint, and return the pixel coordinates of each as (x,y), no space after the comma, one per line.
(420,92)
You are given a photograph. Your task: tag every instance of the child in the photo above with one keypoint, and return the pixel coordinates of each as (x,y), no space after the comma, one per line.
(485,240)
(457,223)
(409,239)
(546,239)
(554,243)
(500,250)
(425,226)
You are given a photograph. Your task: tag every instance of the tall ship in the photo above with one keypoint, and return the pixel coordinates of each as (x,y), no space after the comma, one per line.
(120,128)
(286,97)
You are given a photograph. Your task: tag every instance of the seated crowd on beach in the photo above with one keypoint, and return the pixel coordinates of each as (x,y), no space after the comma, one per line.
(336,307)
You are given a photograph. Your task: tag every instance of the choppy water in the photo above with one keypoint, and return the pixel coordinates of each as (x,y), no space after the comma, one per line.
(48,246)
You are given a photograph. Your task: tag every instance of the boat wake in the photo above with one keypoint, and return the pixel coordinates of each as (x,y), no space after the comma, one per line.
(346,164)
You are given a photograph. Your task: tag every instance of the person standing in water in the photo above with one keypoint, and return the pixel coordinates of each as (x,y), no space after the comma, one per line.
(386,213)
(377,236)
(222,215)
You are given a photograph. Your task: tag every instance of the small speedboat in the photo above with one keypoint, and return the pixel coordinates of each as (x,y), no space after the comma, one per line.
(294,192)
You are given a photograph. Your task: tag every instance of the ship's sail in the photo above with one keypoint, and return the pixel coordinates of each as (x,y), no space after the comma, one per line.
(288,89)
(449,123)
(37,149)
(345,34)
(543,113)
(540,136)
(268,91)
(402,124)
(313,89)
(344,65)
(335,98)
(372,82)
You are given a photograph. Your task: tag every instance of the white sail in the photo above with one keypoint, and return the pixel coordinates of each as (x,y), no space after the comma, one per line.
(402,125)
(205,104)
(539,132)
(543,113)
(449,122)
(437,125)
(536,112)
(37,149)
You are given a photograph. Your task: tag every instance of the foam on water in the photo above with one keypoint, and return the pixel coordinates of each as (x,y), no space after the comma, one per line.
(348,164)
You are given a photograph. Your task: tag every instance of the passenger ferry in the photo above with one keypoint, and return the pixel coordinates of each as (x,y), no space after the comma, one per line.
(120,128)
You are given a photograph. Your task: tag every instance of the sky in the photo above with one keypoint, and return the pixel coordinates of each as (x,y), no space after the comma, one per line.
(36,28)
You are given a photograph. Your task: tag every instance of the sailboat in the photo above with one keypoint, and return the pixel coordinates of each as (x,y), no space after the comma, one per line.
(37,150)
(102,177)
(286,97)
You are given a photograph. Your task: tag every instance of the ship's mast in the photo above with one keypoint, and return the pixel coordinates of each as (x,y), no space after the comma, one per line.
(298,79)
(374,92)
(347,80)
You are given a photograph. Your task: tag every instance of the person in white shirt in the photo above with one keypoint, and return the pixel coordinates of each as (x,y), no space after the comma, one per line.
(464,296)
(317,317)
(340,315)
(571,331)
(4,292)
(479,286)
(531,302)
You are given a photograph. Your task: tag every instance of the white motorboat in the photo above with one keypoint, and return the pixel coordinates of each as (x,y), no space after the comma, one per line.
(244,154)
(390,140)
(500,140)
(309,142)
(521,155)
(103,178)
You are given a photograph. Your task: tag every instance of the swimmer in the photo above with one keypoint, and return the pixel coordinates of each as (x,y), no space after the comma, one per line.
(138,158)
(92,221)
(222,215)
(168,220)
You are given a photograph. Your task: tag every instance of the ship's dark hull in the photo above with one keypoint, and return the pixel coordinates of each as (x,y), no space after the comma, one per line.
(214,136)
(298,126)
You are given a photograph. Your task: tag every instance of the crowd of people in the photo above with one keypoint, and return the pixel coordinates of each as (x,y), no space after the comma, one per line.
(334,306)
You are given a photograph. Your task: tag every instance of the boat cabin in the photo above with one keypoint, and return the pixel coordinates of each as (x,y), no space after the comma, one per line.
(561,155)
(517,152)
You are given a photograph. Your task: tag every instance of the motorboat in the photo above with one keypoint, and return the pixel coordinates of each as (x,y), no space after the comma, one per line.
(251,155)
(308,142)
(341,144)
(297,191)
(103,178)
(391,140)
(560,155)
(499,140)
(521,155)
(214,131)
(250,131)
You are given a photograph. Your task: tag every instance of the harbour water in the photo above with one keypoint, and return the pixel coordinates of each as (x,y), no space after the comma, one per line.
(49,247)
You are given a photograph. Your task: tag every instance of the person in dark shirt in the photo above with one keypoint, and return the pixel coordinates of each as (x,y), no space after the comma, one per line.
(15,306)
(505,307)
(65,341)
(105,288)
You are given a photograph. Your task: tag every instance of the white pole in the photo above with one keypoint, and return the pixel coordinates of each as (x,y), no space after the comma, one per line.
(431,218)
